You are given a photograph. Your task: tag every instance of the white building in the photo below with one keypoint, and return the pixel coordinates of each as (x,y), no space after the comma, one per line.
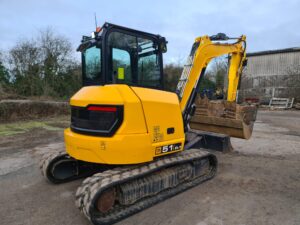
(268,72)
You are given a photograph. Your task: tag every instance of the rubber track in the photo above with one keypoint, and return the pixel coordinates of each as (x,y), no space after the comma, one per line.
(47,159)
(92,187)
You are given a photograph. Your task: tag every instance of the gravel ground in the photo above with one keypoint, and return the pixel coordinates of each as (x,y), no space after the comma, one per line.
(257,183)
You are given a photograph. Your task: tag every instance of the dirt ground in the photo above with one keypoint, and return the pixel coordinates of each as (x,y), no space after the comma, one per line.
(257,183)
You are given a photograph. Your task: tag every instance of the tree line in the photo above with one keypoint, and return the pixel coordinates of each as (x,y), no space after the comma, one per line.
(41,66)
(45,66)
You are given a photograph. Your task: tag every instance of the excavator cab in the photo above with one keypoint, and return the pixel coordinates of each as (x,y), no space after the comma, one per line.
(119,55)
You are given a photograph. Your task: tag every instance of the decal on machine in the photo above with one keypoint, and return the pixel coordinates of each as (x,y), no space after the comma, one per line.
(102,145)
(157,135)
(167,148)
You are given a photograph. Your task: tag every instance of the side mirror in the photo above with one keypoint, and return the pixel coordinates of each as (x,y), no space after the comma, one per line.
(163,45)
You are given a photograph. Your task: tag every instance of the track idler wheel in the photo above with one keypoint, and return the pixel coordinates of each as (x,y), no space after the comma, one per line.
(59,167)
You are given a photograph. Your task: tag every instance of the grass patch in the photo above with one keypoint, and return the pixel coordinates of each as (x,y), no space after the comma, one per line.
(23,127)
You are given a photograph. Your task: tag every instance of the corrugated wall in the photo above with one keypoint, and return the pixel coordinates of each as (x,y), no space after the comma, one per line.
(280,71)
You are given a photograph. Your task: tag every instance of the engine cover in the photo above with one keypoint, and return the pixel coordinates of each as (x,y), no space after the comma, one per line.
(151,124)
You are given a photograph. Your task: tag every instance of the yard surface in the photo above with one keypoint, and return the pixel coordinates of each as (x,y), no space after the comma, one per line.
(257,183)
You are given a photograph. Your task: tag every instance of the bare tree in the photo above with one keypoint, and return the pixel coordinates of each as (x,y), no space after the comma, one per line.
(218,71)
(172,74)
(56,51)
(4,76)
(56,57)
(37,65)
(24,60)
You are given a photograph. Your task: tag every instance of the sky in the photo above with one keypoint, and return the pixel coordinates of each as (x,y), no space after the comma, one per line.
(268,24)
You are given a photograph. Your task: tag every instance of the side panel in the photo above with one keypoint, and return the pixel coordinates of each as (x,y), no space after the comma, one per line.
(163,118)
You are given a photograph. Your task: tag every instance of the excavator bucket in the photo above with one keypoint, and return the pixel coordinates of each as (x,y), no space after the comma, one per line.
(221,116)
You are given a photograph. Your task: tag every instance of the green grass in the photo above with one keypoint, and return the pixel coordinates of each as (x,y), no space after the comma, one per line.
(23,127)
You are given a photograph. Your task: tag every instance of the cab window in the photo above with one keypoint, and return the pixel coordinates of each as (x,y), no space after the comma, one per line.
(133,60)
(92,65)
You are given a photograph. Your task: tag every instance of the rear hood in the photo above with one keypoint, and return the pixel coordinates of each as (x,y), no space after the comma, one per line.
(101,95)
(115,94)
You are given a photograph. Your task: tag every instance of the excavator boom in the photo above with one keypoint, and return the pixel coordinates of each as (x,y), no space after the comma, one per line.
(240,122)
(203,51)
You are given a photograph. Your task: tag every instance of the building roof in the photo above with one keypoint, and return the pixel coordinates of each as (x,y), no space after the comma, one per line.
(269,52)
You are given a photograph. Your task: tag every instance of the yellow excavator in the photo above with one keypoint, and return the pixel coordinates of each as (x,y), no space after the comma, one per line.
(127,134)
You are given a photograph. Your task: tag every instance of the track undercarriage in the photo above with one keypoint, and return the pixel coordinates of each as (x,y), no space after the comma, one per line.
(114,193)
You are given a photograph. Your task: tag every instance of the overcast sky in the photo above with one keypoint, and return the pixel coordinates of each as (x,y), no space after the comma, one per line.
(268,24)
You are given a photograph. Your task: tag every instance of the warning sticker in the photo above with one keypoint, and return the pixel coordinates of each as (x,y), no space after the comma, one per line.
(121,73)
(157,135)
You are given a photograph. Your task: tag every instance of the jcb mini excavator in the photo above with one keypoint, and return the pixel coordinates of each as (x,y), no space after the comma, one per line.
(127,134)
